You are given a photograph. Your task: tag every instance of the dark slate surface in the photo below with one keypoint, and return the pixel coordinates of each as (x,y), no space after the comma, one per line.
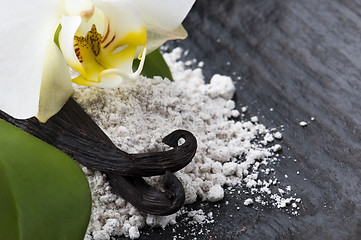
(303,59)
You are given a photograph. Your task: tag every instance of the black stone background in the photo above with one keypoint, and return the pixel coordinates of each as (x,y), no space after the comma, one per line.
(303,59)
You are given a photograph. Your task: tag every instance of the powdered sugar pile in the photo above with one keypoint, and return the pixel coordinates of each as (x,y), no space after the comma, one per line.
(230,153)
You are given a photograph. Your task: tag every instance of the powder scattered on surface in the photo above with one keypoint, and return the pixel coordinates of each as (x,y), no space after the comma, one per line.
(277,135)
(248,201)
(303,124)
(230,153)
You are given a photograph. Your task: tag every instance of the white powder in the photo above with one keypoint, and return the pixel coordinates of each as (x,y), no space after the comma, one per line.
(137,116)
(277,135)
(215,193)
(248,201)
(303,124)
(276,147)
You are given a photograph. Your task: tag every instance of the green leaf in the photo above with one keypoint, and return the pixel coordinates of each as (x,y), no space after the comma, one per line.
(154,65)
(43,193)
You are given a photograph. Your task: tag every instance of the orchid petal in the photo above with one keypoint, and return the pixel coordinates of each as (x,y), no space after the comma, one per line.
(98,19)
(56,87)
(66,41)
(82,8)
(125,32)
(167,14)
(122,17)
(112,78)
(156,36)
(26,28)
(163,20)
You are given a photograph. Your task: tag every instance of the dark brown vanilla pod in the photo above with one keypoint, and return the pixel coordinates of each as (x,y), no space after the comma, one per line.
(75,133)
(172,160)
(136,191)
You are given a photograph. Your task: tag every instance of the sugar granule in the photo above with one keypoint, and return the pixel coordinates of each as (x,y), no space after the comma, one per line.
(137,116)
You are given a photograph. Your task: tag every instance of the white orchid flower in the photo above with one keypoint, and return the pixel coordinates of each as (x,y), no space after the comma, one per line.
(45,45)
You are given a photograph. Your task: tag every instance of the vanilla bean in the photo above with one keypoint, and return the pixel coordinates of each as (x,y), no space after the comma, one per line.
(146,198)
(172,160)
(75,133)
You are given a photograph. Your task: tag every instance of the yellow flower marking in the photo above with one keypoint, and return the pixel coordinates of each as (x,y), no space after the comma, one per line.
(87,49)
(91,41)
(97,53)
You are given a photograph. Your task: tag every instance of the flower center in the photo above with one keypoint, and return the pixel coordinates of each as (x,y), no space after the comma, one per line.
(98,54)
(91,42)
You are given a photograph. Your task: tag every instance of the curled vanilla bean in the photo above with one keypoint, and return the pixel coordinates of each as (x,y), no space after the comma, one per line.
(75,133)
(146,198)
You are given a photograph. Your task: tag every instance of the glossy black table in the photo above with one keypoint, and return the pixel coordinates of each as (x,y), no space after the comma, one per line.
(303,60)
